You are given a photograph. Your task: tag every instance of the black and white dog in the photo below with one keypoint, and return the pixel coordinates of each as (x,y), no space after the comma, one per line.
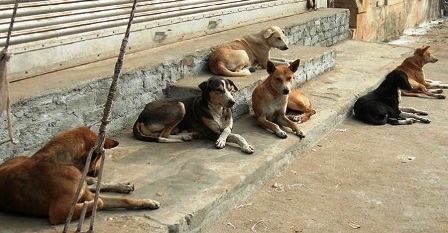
(207,116)
(381,105)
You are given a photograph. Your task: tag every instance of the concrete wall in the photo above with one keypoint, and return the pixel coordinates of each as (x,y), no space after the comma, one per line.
(38,119)
(384,20)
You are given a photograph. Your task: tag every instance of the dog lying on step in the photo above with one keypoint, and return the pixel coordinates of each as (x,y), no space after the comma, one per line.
(381,105)
(45,183)
(413,67)
(270,99)
(207,116)
(232,59)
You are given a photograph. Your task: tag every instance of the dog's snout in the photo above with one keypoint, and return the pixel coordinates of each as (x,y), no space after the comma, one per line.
(285,47)
(231,103)
(286,91)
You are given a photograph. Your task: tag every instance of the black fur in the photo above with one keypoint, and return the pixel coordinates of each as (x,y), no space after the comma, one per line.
(192,118)
(381,105)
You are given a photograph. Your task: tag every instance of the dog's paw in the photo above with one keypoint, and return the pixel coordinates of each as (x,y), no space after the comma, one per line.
(425,120)
(220,143)
(296,119)
(300,134)
(248,149)
(149,204)
(127,187)
(281,134)
(187,138)
(441,97)
(436,91)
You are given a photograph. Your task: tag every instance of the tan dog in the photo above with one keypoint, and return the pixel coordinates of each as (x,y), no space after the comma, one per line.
(45,183)
(298,103)
(413,68)
(248,52)
(270,99)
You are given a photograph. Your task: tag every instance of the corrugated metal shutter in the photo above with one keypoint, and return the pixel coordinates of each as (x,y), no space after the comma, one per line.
(56,34)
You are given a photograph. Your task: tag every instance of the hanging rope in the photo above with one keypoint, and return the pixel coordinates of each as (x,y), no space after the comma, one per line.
(5,55)
(99,144)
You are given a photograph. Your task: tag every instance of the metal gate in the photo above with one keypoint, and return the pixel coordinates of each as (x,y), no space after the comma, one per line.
(57,34)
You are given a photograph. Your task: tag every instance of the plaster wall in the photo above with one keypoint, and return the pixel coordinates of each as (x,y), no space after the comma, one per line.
(384,20)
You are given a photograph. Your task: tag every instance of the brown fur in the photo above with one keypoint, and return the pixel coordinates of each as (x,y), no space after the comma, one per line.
(45,183)
(270,99)
(247,52)
(413,68)
(298,103)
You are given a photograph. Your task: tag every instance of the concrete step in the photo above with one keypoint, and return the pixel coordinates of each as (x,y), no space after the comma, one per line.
(314,61)
(44,105)
(197,183)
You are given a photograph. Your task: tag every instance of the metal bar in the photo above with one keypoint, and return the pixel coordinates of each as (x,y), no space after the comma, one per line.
(98,23)
(107,110)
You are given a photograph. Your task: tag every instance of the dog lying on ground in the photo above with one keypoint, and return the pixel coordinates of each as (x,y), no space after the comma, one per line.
(232,59)
(299,107)
(270,99)
(45,183)
(381,105)
(413,67)
(207,116)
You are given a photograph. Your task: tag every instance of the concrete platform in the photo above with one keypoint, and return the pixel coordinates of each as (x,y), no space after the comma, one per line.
(45,105)
(197,183)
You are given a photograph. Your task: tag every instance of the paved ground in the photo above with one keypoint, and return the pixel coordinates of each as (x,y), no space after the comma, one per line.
(382,182)
(362,178)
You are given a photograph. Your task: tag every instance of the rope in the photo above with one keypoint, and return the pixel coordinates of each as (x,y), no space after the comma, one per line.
(99,144)
(4,83)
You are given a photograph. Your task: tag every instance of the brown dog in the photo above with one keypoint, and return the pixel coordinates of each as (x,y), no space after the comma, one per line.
(270,99)
(298,103)
(248,52)
(413,68)
(45,183)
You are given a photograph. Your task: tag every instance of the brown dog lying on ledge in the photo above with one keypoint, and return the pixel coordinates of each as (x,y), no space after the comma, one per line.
(45,183)
(270,99)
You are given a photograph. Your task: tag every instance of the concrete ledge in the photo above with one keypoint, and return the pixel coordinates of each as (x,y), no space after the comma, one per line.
(314,61)
(197,183)
(45,105)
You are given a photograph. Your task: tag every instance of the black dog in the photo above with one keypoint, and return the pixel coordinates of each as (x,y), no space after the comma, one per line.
(206,116)
(381,105)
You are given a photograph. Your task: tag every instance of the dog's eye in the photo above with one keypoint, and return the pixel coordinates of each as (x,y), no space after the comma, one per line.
(279,38)
(278,79)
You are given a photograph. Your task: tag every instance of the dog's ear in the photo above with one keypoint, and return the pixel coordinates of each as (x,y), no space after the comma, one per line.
(109,143)
(268,33)
(232,84)
(270,67)
(422,50)
(294,65)
(203,86)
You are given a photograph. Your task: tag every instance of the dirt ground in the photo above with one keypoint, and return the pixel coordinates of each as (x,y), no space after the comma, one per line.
(362,178)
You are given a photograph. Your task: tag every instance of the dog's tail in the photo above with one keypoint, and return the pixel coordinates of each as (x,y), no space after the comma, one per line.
(147,138)
(221,69)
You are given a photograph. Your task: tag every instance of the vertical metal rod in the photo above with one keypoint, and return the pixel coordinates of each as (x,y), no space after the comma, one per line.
(13,18)
(83,215)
